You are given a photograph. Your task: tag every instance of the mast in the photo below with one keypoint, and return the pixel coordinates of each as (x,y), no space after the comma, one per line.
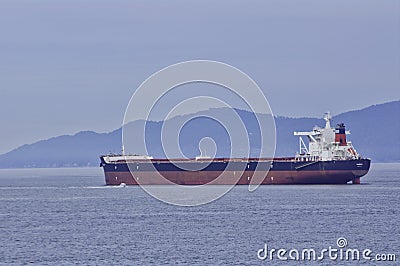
(327,118)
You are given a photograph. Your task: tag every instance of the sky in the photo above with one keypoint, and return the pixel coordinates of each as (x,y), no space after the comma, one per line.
(72,65)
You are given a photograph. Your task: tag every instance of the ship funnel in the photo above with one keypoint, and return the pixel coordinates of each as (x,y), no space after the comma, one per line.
(340,134)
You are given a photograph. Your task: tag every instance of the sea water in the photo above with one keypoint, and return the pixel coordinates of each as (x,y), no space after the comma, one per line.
(68,216)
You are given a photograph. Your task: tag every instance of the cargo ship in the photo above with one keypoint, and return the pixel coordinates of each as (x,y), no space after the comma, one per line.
(327,159)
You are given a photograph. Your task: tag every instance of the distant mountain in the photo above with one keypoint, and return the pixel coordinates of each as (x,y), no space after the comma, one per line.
(374,133)
(81,149)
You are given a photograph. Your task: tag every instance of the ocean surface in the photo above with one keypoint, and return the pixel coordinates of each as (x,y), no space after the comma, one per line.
(68,216)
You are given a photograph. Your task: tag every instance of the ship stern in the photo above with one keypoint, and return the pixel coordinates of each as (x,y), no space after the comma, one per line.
(361,169)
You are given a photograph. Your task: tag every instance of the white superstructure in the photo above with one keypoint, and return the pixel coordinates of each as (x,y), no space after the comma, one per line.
(326,144)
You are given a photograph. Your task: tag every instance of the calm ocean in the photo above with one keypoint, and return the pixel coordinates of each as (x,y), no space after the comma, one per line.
(68,216)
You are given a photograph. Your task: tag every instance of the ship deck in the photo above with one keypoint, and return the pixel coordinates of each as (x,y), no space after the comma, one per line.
(128,159)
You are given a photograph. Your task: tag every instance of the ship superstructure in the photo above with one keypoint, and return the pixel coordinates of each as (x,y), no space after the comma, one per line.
(326,144)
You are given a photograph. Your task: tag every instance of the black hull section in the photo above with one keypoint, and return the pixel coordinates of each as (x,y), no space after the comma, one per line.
(149,172)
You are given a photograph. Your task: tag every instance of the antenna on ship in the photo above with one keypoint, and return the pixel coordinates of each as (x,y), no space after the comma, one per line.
(328,118)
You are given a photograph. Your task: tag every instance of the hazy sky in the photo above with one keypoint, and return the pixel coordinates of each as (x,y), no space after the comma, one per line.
(67,66)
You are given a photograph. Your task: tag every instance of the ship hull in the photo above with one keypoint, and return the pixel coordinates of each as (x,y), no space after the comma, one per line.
(228,172)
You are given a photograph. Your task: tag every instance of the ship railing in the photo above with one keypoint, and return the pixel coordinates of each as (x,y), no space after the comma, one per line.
(307,158)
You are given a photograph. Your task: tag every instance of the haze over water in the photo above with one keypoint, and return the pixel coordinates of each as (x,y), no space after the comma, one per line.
(68,216)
